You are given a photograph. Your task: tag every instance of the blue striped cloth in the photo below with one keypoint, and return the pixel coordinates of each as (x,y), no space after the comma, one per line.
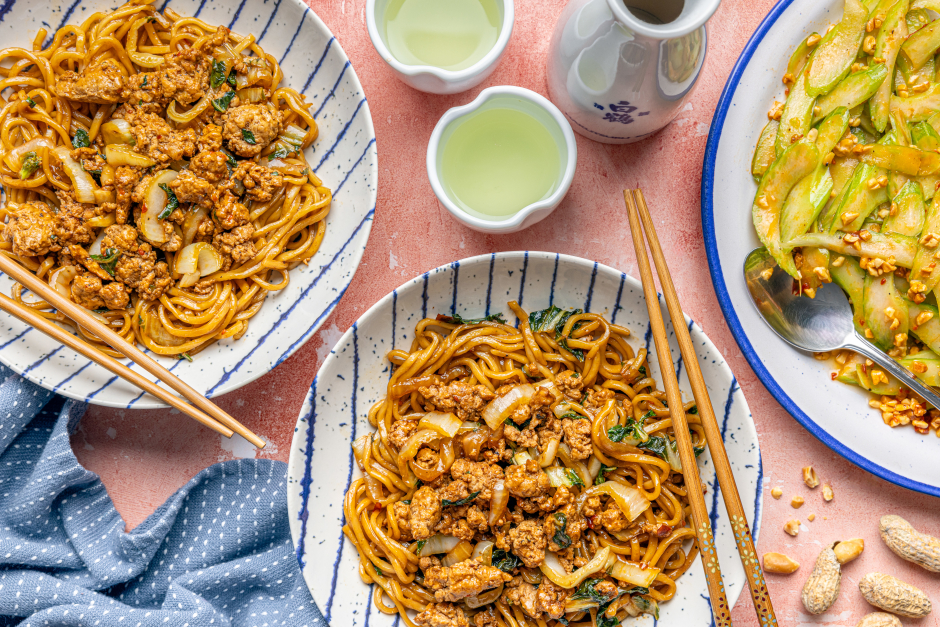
(217,553)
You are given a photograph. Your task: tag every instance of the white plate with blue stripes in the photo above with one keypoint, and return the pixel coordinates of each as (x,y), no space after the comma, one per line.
(836,413)
(344,157)
(355,374)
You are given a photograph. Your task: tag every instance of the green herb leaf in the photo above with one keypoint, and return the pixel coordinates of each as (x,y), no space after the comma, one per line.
(108,260)
(143,83)
(378,571)
(421,544)
(642,370)
(521,427)
(458,319)
(698,450)
(463,501)
(217,77)
(574,477)
(171,202)
(693,411)
(655,445)
(563,621)
(247,135)
(231,79)
(230,159)
(649,414)
(573,415)
(601,475)
(505,561)
(29,164)
(561,525)
(633,431)
(587,591)
(30,101)
(185,356)
(81,139)
(646,605)
(221,105)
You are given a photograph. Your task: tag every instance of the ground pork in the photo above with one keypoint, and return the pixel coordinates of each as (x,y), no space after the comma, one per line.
(70,220)
(527,480)
(596,399)
(260,182)
(570,384)
(236,244)
(424,512)
(101,83)
(528,542)
(31,230)
(229,212)
(248,129)
(400,432)
(401,512)
(550,599)
(578,437)
(442,615)
(211,138)
(479,477)
(155,137)
(467,401)
(522,594)
(465,579)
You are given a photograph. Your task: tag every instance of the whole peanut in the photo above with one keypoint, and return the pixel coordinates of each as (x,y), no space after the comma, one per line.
(893,595)
(909,544)
(822,588)
(879,619)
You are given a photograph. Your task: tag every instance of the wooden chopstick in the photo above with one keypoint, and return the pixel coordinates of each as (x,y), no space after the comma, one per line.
(729,489)
(32,318)
(81,315)
(693,483)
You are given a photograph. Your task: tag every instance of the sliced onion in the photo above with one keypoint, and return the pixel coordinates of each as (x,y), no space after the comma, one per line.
(121,154)
(579,605)
(446,424)
(484,548)
(161,335)
(548,455)
(196,261)
(552,568)
(191,223)
(594,467)
(467,427)
(561,477)
(259,73)
(630,500)
(61,280)
(95,248)
(498,501)
(151,226)
(521,457)
(251,94)
(484,598)
(672,456)
(550,386)
(632,572)
(15,157)
(501,407)
(102,196)
(118,131)
(191,114)
(564,452)
(410,449)
(82,184)
(359,449)
(438,544)
(459,553)
(102,221)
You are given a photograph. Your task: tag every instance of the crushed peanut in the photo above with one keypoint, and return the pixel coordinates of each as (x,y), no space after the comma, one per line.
(777,492)
(838,261)
(792,527)
(930,240)
(810,478)
(766,274)
(822,356)
(797,502)
(923,317)
(848,216)
(827,493)
(811,517)
(813,40)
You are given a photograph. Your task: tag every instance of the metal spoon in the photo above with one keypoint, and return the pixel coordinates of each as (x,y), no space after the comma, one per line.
(819,324)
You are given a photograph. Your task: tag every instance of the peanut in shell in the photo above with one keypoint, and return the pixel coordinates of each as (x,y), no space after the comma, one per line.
(822,588)
(909,544)
(879,619)
(893,595)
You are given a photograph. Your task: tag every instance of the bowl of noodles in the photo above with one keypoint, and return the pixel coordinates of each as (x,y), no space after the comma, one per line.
(200,176)
(489,445)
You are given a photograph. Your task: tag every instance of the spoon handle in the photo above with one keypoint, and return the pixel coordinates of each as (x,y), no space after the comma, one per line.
(864,347)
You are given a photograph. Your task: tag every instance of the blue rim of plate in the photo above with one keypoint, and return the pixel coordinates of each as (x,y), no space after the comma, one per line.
(721,290)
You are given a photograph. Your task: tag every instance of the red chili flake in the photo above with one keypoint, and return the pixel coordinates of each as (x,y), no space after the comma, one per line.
(861,321)
(590,522)
(864,368)
(141,251)
(883,281)
(806,286)
(663,531)
(834,375)
(921,430)
(376,507)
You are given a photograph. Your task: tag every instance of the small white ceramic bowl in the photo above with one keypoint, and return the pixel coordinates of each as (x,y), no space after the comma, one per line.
(524,100)
(431,79)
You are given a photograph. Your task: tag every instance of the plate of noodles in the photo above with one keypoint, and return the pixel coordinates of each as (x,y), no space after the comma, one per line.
(488,445)
(866,222)
(202,176)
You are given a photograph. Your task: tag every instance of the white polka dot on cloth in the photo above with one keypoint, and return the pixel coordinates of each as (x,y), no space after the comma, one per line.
(66,561)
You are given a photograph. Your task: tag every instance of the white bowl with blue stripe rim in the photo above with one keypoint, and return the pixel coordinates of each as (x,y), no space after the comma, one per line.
(343,156)
(355,374)
(836,413)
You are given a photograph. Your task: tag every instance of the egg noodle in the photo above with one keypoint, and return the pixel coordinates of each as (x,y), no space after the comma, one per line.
(606,564)
(39,127)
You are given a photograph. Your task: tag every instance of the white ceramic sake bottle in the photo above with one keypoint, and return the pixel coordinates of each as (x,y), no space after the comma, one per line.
(621,72)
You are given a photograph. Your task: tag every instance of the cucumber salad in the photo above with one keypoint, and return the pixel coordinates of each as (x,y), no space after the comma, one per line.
(848,170)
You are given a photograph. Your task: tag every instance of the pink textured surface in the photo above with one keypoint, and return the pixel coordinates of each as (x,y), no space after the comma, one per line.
(144,456)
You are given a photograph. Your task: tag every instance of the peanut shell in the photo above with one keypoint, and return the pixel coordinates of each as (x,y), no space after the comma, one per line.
(893,595)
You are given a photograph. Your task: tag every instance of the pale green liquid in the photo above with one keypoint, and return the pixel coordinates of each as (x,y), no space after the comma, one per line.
(499,161)
(447,34)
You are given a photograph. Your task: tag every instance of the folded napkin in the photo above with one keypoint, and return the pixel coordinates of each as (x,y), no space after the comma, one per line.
(217,553)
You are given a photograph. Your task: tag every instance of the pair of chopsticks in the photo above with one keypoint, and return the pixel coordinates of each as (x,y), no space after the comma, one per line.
(637,211)
(202,409)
